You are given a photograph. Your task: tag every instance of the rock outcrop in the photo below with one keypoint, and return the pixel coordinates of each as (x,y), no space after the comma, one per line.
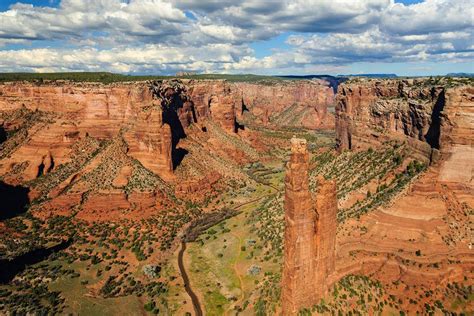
(149,141)
(289,103)
(310,227)
(216,99)
(326,206)
(151,117)
(369,112)
(78,143)
(423,238)
(372,111)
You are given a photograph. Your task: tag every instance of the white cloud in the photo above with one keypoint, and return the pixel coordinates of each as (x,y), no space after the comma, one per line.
(80,18)
(148,58)
(163,36)
(430,16)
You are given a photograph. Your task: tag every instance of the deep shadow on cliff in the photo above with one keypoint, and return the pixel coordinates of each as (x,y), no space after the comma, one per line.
(177,155)
(434,132)
(13,200)
(3,135)
(171,117)
(10,268)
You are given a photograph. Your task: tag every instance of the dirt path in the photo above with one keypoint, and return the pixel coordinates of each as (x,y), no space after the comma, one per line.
(187,284)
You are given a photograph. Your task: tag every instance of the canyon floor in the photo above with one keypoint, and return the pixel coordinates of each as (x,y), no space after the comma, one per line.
(94,226)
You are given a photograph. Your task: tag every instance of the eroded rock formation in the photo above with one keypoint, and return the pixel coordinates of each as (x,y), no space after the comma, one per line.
(423,238)
(310,232)
(75,143)
(369,112)
(293,103)
(217,100)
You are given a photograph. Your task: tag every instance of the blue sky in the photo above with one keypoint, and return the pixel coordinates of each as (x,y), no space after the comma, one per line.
(406,37)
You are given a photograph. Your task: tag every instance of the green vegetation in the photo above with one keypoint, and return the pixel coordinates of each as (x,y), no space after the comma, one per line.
(356,295)
(355,170)
(107,77)
(267,222)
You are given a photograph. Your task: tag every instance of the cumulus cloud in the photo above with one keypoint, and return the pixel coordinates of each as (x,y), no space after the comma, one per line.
(376,46)
(81,18)
(290,15)
(164,36)
(148,58)
(431,16)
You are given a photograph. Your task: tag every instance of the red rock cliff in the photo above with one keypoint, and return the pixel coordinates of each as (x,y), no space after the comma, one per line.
(372,111)
(293,103)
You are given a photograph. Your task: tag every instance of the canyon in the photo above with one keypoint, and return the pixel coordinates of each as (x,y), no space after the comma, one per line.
(379,188)
(147,122)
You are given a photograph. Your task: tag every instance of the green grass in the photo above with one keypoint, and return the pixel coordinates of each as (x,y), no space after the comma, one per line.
(220,259)
(82,304)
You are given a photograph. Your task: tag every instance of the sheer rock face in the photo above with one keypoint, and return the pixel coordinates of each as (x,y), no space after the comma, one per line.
(69,112)
(217,100)
(309,101)
(435,119)
(432,216)
(372,111)
(326,205)
(310,230)
(369,112)
(150,142)
(152,117)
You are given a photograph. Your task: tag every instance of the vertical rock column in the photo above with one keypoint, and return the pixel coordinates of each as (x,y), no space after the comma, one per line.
(301,242)
(166,148)
(326,206)
(343,121)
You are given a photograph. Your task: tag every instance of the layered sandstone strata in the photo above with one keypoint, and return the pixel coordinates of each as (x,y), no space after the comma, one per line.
(310,227)
(151,117)
(435,118)
(216,99)
(369,112)
(424,236)
(293,103)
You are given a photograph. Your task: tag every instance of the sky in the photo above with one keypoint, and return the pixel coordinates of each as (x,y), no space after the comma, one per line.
(268,37)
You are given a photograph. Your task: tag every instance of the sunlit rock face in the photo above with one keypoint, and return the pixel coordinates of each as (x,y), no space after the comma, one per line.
(310,230)
(369,112)
(293,103)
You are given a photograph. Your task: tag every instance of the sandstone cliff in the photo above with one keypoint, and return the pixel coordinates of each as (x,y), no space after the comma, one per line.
(302,103)
(423,238)
(151,118)
(369,112)
(62,139)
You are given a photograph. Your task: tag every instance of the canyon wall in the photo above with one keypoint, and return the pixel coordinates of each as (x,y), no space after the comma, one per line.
(423,237)
(370,111)
(435,117)
(151,117)
(310,232)
(301,103)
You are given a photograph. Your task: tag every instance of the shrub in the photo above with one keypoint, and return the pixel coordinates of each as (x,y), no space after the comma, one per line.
(149,306)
